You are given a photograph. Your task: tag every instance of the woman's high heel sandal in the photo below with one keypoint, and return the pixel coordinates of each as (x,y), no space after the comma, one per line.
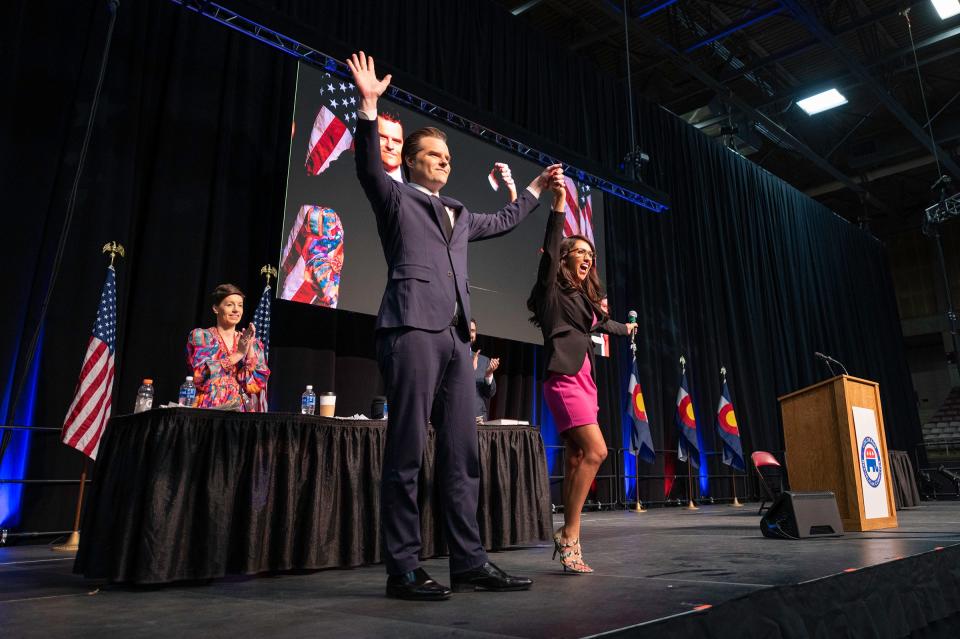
(571,557)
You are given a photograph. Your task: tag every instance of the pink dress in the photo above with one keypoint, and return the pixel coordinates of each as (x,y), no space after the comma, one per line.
(572,399)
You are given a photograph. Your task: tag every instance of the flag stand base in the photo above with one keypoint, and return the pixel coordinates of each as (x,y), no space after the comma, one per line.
(638,507)
(736,503)
(692,506)
(70,545)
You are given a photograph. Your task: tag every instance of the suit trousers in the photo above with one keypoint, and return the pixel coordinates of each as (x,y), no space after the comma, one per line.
(429,375)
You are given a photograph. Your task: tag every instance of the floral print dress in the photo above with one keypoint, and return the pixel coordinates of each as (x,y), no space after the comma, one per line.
(219,383)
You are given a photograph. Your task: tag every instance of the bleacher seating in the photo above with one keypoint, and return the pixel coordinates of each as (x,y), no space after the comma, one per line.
(945,424)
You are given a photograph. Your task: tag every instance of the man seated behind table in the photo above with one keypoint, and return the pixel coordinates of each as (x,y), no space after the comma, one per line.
(228,366)
(483,367)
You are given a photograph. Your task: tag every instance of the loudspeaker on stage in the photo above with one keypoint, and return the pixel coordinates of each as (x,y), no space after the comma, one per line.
(802,515)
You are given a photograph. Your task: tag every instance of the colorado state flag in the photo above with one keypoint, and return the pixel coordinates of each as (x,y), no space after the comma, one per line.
(729,431)
(641,443)
(686,422)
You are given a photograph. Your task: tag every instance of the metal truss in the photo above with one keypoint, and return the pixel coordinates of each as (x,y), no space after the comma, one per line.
(943,210)
(309,55)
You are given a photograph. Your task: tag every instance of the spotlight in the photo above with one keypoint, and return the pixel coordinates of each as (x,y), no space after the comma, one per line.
(946,8)
(822,101)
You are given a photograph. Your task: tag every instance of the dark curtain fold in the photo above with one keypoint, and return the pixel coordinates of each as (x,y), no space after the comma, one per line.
(187,168)
(748,273)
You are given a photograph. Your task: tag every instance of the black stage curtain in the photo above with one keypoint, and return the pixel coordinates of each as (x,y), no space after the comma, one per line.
(187,167)
(185,494)
(750,274)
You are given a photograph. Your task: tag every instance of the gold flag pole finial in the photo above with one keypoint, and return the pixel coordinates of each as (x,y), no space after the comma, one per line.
(114,249)
(269,271)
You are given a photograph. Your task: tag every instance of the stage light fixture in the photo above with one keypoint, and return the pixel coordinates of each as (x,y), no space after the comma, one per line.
(822,101)
(946,8)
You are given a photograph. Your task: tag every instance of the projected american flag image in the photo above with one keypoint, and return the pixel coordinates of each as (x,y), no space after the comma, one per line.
(334,125)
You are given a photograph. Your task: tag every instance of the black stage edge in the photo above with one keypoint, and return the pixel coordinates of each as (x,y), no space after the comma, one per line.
(665,573)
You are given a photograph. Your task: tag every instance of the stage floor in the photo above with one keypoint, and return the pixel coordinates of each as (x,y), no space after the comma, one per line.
(649,566)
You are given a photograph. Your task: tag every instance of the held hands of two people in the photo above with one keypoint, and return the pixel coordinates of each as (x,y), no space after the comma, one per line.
(552,179)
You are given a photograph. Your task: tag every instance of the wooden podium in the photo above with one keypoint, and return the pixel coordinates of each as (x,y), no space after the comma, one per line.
(835,440)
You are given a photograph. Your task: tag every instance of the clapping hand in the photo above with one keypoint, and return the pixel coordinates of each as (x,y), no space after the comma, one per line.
(365,79)
(245,344)
(493,366)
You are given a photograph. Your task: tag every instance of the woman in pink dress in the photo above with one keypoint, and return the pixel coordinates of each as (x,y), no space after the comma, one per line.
(565,303)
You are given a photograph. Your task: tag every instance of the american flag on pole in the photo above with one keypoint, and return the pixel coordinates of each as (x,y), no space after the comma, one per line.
(577,210)
(334,125)
(90,409)
(586,212)
(261,320)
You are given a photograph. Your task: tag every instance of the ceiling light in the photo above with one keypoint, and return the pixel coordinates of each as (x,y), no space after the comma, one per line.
(822,101)
(946,8)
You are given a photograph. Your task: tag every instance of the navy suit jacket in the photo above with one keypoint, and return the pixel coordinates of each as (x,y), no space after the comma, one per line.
(426,273)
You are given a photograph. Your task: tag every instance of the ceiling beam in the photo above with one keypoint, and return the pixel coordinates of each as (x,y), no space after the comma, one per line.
(849,81)
(870,176)
(806,45)
(613,12)
(732,27)
(526,6)
(860,72)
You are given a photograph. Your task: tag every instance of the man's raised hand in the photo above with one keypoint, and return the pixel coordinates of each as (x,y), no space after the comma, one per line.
(365,78)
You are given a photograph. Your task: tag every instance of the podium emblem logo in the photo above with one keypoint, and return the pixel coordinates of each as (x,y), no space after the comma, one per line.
(870,462)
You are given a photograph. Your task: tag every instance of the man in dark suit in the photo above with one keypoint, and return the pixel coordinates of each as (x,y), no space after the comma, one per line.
(423,349)
(483,369)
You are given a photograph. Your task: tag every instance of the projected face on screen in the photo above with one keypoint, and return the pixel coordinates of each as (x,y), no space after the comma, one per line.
(330,252)
(391,141)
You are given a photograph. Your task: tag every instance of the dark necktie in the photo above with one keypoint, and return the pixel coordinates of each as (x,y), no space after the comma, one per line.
(444,218)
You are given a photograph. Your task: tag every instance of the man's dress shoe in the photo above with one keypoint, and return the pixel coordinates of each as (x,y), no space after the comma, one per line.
(416,585)
(488,577)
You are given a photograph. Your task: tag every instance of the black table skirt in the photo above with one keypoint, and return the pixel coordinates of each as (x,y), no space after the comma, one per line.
(905,492)
(184,494)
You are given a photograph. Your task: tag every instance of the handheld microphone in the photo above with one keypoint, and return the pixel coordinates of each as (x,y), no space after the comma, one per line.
(632,319)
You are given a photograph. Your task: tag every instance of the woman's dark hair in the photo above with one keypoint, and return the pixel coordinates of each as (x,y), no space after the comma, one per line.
(222,292)
(568,281)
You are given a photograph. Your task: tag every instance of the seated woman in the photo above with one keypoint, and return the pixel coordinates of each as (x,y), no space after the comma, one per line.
(227,365)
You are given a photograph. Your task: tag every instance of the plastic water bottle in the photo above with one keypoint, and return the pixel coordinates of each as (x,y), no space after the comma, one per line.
(308,401)
(144,397)
(384,409)
(188,392)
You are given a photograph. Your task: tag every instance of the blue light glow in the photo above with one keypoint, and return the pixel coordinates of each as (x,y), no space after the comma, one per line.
(14,464)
